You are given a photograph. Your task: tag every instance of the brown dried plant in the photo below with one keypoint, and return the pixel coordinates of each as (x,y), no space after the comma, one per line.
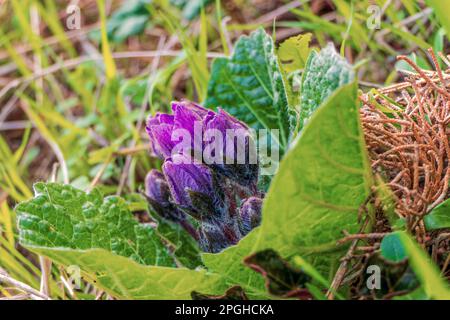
(407,135)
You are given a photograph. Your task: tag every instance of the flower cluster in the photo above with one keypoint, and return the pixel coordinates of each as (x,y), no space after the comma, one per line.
(217,202)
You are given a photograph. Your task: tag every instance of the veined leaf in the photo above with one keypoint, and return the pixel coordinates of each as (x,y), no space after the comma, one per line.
(316,194)
(101,236)
(325,72)
(249,85)
(439,217)
(293,52)
(125,279)
(185,247)
(63,216)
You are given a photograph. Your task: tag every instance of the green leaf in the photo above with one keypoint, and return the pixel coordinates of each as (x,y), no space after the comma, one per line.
(249,85)
(392,248)
(325,72)
(130,26)
(282,279)
(441,10)
(421,62)
(185,247)
(316,194)
(439,217)
(110,66)
(293,52)
(101,236)
(433,284)
(125,279)
(62,216)
(190,8)
(129,20)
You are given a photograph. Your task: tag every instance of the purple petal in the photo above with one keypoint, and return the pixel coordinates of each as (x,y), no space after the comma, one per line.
(187,114)
(159,129)
(182,175)
(251,214)
(156,187)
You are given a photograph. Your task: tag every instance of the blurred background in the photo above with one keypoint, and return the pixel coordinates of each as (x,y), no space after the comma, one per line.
(74,99)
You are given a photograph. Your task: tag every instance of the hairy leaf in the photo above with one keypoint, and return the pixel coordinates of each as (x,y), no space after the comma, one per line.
(125,279)
(101,236)
(321,183)
(325,72)
(249,85)
(185,248)
(62,216)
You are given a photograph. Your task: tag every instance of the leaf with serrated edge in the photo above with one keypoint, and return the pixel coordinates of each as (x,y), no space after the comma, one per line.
(325,72)
(249,85)
(125,279)
(63,216)
(316,194)
(101,236)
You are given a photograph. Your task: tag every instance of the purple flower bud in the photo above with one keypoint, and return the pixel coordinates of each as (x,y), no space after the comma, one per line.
(239,150)
(250,214)
(215,238)
(186,113)
(158,194)
(206,190)
(159,129)
(192,186)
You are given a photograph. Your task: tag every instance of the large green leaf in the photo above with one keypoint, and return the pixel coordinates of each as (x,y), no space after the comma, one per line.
(316,194)
(324,73)
(101,236)
(439,217)
(125,279)
(63,216)
(249,85)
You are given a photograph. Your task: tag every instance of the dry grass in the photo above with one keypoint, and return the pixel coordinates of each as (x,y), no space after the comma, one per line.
(407,135)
